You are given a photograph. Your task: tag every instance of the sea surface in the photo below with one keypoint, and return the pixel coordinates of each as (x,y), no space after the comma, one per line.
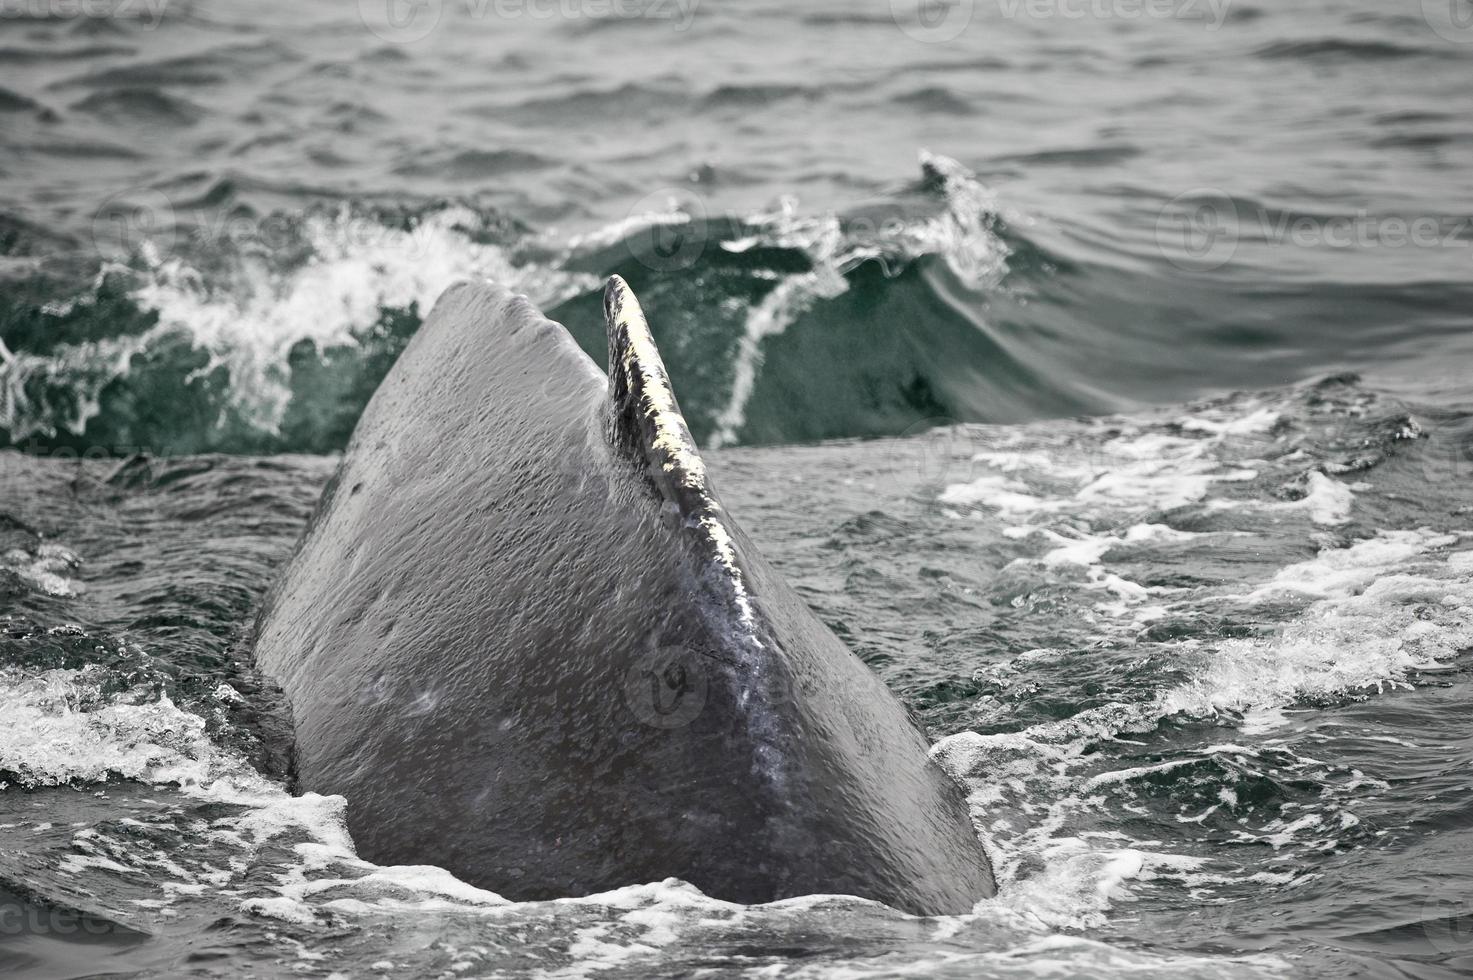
(1100,370)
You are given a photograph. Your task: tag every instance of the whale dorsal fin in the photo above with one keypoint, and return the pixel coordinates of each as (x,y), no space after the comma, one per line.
(646,423)
(646,419)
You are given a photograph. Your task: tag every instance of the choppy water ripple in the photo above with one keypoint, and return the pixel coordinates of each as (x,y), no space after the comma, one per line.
(1202,199)
(1204,665)
(1198,667)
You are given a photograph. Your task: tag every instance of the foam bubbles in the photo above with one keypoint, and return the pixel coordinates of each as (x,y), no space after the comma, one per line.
(356,270)
(49,568)
(249,315)
(961,234)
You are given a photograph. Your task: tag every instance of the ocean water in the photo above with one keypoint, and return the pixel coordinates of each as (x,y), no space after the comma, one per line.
(1100,370)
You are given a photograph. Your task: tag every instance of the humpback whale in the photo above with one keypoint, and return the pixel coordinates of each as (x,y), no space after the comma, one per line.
(526,642)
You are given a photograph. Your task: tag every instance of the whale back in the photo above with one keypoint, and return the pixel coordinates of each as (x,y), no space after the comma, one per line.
(527,643)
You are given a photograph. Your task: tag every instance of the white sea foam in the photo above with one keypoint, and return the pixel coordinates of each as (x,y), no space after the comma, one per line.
(1365,615)
(1088,549)
(357,267)
(57,727)
(1373,629)
(1137,472)
(1386,607)
(1343,572)
(1002,493)
(788,300)
(1328,501)
(960,234)
(1234,421)
(49,567)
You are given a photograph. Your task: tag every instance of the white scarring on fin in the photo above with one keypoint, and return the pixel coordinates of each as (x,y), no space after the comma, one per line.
(647,419)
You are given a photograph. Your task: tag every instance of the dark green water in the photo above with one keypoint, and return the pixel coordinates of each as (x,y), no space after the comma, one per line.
(1188,606)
